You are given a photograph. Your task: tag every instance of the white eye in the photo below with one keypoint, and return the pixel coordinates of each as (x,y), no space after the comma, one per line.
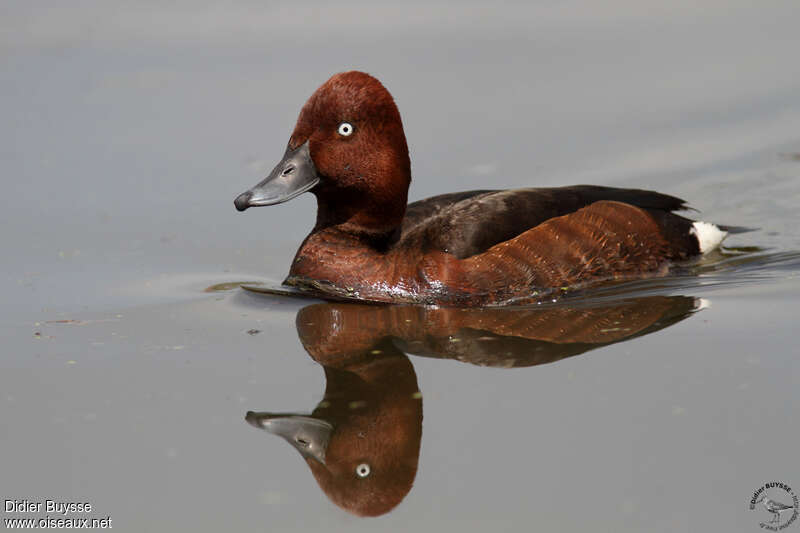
(362,470)
(345,129)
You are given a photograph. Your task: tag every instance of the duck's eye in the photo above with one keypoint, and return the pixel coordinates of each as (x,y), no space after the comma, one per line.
(345,129)
(363,470)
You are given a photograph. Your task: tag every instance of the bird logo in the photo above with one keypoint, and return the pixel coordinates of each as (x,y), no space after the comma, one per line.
(780,502)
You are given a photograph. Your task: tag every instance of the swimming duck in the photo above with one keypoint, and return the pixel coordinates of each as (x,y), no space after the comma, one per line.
(469,248)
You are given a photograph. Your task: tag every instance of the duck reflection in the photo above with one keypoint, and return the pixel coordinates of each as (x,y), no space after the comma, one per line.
(362,441)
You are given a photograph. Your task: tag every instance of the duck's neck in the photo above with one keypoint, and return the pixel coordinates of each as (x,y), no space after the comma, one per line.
(365,221)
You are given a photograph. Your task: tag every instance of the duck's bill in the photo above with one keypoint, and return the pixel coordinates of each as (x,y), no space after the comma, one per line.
(293,176)
(308,435)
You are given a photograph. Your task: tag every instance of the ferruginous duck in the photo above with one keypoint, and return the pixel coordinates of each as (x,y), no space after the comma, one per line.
(469,248)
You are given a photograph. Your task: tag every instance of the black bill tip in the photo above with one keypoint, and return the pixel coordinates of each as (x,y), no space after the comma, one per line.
(242,201)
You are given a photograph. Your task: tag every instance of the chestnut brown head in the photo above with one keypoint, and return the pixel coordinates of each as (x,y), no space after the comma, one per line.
(349,149)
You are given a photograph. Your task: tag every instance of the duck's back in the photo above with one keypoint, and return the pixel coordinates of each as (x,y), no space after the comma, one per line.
(469,223)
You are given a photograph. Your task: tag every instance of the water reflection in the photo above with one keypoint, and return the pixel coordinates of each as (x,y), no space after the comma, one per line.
(362,441)
(365,458)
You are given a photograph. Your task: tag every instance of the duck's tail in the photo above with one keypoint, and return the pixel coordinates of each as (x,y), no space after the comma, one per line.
(710,236)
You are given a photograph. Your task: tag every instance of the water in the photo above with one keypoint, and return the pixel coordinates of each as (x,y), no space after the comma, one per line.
(659,405)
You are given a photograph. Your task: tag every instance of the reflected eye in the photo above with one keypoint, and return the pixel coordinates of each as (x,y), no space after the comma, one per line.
(363,470)
(345,129)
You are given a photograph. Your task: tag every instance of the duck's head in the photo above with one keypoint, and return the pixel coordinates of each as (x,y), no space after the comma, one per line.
(348,148)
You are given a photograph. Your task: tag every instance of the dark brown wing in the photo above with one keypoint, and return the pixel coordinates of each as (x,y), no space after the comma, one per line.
(469,223)
(422,211)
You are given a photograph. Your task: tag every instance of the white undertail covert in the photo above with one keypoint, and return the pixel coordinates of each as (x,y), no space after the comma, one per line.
(708,235)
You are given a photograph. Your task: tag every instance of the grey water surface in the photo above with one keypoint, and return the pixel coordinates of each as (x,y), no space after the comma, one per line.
(130,357)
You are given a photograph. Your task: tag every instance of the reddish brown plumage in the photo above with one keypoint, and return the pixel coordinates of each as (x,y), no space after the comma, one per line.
(605,240)
(349,194)
(471,248)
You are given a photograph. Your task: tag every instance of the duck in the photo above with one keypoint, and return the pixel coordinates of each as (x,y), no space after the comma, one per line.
(474,248)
